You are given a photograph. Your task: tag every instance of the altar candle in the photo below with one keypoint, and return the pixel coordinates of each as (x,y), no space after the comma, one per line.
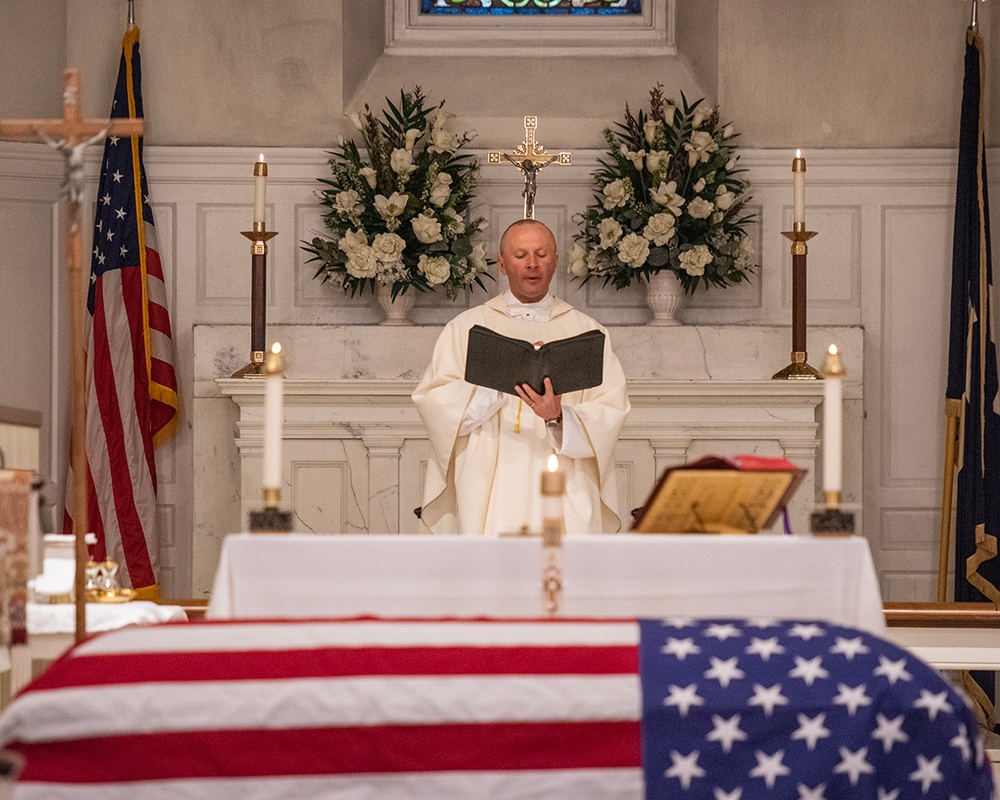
(799,179)
(274,370)
(553,487)
(833,428)
(259,189)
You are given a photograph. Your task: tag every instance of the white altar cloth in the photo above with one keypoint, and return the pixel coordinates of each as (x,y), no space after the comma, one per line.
(303,575)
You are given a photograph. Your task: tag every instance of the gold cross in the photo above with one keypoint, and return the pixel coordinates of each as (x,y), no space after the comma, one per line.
(530,158)
(70,136)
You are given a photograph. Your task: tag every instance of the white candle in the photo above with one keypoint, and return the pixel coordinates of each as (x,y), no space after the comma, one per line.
(799,179)
(273,419)
(833,429)
(553,487)
(259,189)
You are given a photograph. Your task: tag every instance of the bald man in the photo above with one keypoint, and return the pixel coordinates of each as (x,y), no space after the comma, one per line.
(488,448)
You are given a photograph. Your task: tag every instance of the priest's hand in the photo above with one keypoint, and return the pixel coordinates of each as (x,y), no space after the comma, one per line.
(548,406)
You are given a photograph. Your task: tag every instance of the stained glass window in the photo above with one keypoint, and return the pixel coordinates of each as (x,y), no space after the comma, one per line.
(545,7)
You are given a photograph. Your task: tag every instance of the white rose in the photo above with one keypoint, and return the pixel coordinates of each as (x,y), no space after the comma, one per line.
(724,198)
(578,260)
(411,138)
(442,141)
(699,186)
(727,132)
(351,241)
(660,228)
(435,268)
(426,228)
(369,175)
(700,148)
(388,247)
(701,113)
(348,202)
(716,217)
(477,258)
(695,259)
(700,208)
(649,130)
(615,194)
(634,250)
(355,119)
(669,109)
(657,160)
(731,164)
(401,161)
(666,195)
(610,232)
(440,189)
(391,206)
(362,263)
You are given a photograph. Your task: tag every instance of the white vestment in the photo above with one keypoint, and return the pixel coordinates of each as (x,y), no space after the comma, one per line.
(488,451)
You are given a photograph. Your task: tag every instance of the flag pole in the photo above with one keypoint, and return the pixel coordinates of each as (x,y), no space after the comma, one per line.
(953,413)
(974,22)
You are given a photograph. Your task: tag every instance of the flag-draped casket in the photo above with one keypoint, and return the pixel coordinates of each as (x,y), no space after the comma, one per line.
(576,709)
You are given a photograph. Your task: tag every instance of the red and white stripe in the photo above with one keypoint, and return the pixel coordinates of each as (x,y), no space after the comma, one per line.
(346,709)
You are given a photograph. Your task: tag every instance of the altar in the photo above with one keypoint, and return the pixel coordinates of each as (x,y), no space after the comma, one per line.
(631,575)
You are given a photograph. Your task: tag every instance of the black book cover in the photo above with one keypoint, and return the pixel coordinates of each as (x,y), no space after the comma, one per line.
(501,362)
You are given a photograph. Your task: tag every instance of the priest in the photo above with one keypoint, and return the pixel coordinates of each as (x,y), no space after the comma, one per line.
(488,448)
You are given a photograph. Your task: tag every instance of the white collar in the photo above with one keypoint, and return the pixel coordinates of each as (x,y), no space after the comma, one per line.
(534,312)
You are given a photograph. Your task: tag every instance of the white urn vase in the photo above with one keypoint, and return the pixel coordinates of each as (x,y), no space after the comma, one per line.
(665,297)
(396,311)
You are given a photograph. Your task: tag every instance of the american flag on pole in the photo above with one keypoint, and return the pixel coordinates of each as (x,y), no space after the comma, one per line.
(132,402)
(517,709)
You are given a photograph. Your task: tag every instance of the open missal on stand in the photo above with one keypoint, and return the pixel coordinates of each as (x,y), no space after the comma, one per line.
(742,494)
(500,362)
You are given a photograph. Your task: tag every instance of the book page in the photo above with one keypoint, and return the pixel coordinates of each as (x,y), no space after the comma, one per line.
(714,501)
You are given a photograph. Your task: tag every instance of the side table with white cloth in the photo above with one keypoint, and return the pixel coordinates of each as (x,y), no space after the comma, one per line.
(626,575)
(51,630)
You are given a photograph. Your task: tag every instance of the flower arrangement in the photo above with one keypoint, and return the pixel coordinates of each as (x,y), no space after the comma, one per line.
(669,196)
(399,217)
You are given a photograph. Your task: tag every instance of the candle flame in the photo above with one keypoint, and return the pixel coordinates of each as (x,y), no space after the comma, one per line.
(798,154)
(832,350)
(553,462)
(276,348)
(261,159)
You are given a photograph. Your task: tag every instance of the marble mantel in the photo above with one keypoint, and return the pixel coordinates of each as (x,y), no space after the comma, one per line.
(354,448)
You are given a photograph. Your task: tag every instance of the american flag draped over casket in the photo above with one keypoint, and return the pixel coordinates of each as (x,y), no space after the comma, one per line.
(493,708)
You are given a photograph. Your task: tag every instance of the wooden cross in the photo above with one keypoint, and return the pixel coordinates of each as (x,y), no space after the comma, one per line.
(530,158)
(71,135)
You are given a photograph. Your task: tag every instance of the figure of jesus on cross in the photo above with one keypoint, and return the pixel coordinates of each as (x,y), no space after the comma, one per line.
(530,158)
(71,135)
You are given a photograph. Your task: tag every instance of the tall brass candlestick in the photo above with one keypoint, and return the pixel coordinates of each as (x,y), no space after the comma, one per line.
(553,525)
(259,238)
(799,368)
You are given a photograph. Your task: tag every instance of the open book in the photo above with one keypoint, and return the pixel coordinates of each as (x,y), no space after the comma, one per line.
(500,362)
(744,494)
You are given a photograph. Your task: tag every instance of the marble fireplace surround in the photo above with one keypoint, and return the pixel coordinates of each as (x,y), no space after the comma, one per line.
(354,449)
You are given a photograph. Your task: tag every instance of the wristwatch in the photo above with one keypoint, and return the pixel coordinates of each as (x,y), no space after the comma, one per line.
(555,422)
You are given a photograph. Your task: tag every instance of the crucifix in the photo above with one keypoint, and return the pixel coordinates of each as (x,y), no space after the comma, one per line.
(530,158)
(71,135)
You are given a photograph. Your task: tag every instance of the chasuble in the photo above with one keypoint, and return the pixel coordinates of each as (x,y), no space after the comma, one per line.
(487,480)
